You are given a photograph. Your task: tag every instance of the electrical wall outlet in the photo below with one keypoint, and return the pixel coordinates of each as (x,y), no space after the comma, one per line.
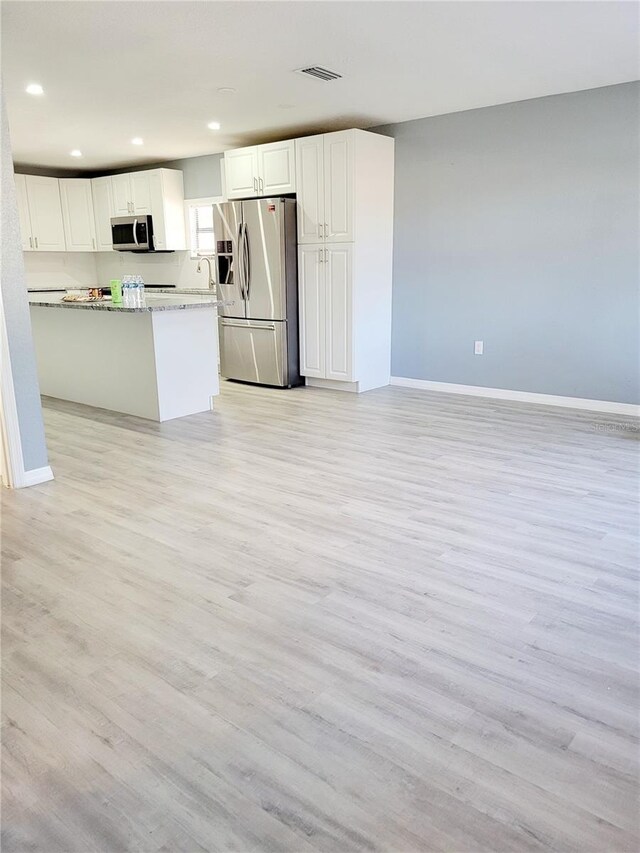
(478,348)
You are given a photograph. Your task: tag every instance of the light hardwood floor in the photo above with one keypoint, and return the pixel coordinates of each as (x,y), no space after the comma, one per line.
(313,621)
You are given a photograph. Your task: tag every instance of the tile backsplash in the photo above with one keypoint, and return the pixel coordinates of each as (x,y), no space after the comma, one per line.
(63,269)
(91,269)
(155,268)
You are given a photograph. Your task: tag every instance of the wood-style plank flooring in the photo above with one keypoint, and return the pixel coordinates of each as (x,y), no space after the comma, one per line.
(316,621)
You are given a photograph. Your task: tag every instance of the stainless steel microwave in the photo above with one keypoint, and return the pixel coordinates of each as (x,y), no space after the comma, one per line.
(132,233)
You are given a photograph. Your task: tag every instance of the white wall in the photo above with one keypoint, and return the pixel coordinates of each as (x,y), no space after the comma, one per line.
(92,269)
(176,268)
(16,318)
(64,269)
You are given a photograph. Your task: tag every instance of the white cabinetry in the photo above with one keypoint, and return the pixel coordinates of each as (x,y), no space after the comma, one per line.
(23,212)
(277,168)
(77,215)
(260,170)
(325,181)
(121,188)
(131,194)
(345,236)
(103,210)
(159,192)
(74,214)
(166,205)
(141,192)
(312,309)
(241,172)
(326,311)
(40,213)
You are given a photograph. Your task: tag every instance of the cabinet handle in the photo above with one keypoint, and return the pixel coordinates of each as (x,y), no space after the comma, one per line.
(255,185)
(261,185)
(31,242)
(326,229)
(36,239)
(93,242)
(326,256)
(320,261)
(319,230)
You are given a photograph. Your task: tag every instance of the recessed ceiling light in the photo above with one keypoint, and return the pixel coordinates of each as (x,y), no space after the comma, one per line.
(34,89)
(227,90)
(137,140)
(214,125)
(76,152)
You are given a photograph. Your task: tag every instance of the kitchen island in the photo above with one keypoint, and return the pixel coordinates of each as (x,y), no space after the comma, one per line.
(157,361)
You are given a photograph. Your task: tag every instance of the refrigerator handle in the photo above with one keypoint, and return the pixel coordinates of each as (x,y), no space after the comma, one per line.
(240,262)
(247,263)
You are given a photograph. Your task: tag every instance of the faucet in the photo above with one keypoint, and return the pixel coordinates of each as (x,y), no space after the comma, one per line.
(211,282)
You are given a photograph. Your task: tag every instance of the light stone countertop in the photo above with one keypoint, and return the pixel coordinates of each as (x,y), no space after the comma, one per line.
(165,302)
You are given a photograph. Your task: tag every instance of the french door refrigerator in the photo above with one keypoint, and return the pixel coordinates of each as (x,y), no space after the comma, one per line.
(256,263)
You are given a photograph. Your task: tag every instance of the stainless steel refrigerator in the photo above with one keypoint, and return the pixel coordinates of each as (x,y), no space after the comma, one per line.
(256,264)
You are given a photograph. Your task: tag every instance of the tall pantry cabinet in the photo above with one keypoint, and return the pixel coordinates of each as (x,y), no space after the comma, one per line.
(344,184)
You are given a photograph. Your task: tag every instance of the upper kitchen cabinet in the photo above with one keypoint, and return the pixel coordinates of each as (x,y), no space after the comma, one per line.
(260,170)
(40,212)
(131,194)
(277,168)
(158,192)
(77,214)
(141,192)
(121,190)
(241,172)
(166,205)
(103,210)
(310,188)
(23,212)
(326,181)
(339,180)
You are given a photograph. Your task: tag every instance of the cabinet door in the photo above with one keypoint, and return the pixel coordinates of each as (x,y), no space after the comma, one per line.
(339,312)
(45,213)
(310,188)
(102,212)
(276,168)
(338,186)
(121,189)
(311,291)
(77,214)
(23,213)
(141,192)
(241,172)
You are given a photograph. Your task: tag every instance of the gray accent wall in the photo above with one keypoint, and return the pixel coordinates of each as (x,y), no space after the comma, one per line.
(18,321)
(518,225)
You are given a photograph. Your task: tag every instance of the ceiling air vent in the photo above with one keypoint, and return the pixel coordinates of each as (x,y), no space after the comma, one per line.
(319,72)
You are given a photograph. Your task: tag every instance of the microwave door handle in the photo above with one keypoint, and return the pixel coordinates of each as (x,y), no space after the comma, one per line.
(135,230)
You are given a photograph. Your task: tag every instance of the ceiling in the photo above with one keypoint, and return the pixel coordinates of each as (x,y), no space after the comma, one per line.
(115,70)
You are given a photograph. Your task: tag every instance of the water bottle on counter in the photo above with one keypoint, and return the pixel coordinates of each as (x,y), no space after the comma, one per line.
(140,291)
(127,292)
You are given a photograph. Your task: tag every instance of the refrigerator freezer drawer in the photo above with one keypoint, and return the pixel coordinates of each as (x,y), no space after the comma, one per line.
(254,351)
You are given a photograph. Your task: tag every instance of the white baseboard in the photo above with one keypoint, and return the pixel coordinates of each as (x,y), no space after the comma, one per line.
(37,475)
(520,396)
